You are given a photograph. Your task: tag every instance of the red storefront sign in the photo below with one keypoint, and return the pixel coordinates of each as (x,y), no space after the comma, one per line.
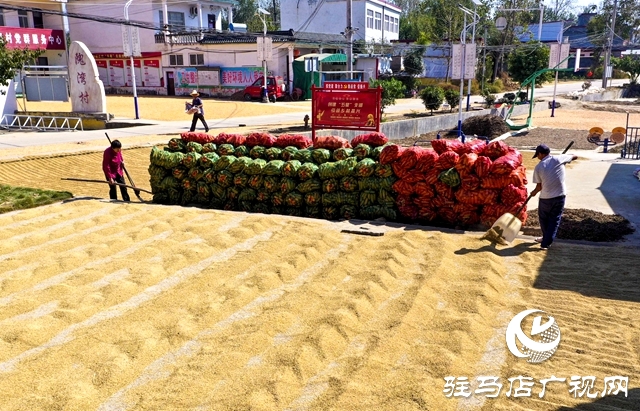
(355,109)
(116,63)
(108,56)
(33,39)
(136,63)
(346,85)
(101,63)
(152,63)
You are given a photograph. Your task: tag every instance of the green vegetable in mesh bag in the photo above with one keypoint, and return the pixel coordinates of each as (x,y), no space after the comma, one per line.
(291,168)
(255,182)
(348,184)
(293,211)
(329,186)
(312,211)
(209,148)
(257,152)
(365,167)
(330,212)
(263,196)
(232,194)
(230,205)
(256,167)
(273,168)
(194,147)
(208,159)
(160,197)
(342,153)
(287,185)
(362,151)
(348,198)
(293,199)
(201,199)
(177,144)
(191,160)
(240,180)
(169,182)
(375,153)
(246,206)
(330,199)
(241,151)
(218,192)
(373,212)
(196,173)
(180,173)
(271,184)
(337,169)
(309,185)
(313,198)
(385,198)
(288,153)
(261,208)
(187,197)
(188,184)
(210,176)
(216,203)
(383,170)
(387,183)
(224,162)
(304,155)
(225,178)
(277,210)
(450,177)
(203,190)
(320,155)
(156,174)
(226,149)
(165,159)
(307,171)
(247,194)
(348,212)
(368,198)
(174,195)
(277,199)
(272,153)
(239,165)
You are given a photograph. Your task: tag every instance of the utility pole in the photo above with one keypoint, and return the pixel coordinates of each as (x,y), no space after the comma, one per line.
(607,56)
(349,35)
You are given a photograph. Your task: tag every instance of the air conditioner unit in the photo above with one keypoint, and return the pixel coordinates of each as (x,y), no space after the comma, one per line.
(193,10)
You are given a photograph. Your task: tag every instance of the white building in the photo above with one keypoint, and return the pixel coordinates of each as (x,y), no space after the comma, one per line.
(376,20)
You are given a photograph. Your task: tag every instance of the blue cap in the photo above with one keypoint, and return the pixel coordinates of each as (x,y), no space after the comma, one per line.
(542,149)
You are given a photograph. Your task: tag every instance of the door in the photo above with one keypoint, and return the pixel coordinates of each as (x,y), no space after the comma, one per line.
(211,21)
(171,88)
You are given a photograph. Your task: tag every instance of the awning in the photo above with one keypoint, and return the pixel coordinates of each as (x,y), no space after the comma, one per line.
(326,57)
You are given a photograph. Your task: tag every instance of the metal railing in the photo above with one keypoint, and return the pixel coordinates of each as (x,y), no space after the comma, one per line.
(631,149)
(40,123)
(189,38)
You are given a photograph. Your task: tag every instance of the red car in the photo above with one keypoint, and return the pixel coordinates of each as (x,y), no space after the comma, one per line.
(275,85)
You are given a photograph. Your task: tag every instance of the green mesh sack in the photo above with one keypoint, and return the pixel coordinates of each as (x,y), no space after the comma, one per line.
(287,185)
(342,153)
(277,199)
(218,192)
(156,174)
(165,159)
(177,144)
(196,173)
(210,176)
(272,153)
(230,205)
(224,162)
(261,208)
(294,199)
(273,168)
(256,167)
(369,183)
(385,198)
(216,203)
(313,198)
(255,182)
(188,184)
(383,170)
(362,151)
(207,159)
(209,148)
(307,171)
(225,178)
(365,167)
(348,198)
(288,153)
(160,197)
(450,177)
(239,165)
(202,199)
(330,199)
(262,196)
(304,155)
(240,180)
(247,194)
(368,198)
(271,184)
(232,195)
(330,212)
(348,212)
(373,212)
(194,147)
(309,185)
(320,155)
(337,169)
(291,168)
(175,194)
(246,206)
(387,183)
(330,186)
(348,184)
(169,182)
(257,152)
(375,153)
(277,210)
(180,173)
(191,160)
(293,211)
(241,151)
(187,197)
(203,190)
(226,149)
(312,211)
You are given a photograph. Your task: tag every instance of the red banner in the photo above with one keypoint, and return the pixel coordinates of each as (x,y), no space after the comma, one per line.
(101,63)
(136,63)
(152,63)
(33,39)
(145,54)
(346,109)
(346,85)
(116,63)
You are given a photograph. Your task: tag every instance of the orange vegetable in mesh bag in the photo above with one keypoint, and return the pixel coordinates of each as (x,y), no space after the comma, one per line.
(444,190)
(466,162)
(447,160)
(482,166)
(440,146)
(260,139)
(495,149)
(331,143)
(427,160)
(373,139)
(391,153)
(506,164)
(413,176)
(427,213)
(511,195)
(295,140)
(424,190)
(410,157)
(410,212)
(403,200)
(470,182)
(457,146)
(431,176)
(403,187)
(477,197)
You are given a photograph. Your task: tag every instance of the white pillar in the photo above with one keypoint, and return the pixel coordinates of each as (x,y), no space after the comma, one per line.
(219,20)
(290,49)
(200,16)
(230,14)
(165,15)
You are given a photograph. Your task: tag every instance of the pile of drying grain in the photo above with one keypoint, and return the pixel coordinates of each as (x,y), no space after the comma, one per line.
(488,126)
(588,225)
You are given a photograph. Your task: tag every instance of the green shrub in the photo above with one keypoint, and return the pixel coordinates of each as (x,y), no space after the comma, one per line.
(494,89)
(432,97)
(391,90)
(453,97)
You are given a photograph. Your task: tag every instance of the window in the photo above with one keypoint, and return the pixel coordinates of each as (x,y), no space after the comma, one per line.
(161,19)
(369,19)
(395,25)
(23,19)
(196,59)
(1,17)
(378,21)
(38,23)
(176,60)
(386,23)
(176,19)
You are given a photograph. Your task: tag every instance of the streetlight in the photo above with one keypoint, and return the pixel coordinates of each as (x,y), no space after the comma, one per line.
(260,13)
(133,69)
(541,8)
(463,41)
(476,3)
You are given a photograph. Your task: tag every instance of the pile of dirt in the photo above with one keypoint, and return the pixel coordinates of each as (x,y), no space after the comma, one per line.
(488,126)
(587,225)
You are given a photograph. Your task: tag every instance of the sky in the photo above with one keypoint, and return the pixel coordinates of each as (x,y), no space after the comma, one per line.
(582,3)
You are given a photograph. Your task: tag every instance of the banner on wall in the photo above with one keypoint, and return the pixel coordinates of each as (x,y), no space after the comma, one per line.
(33,39)
(116,73)
(152,73)
(103,71)
(239,76)
(137,65)
(187,77)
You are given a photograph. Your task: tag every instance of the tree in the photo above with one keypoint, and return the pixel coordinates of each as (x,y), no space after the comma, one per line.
(627,24)
(559,10)
(12,60)
(453,98)
(413,62)
(526,60)
(432,97)
(629,63)
(391,90)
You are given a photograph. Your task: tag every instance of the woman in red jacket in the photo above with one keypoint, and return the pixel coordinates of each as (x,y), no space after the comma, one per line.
(113,167)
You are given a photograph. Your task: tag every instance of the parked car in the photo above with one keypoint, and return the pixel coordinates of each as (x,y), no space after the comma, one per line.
(275,85)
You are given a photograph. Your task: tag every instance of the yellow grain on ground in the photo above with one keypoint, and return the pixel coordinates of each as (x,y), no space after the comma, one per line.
(172,108)
(579,119)
(114,306)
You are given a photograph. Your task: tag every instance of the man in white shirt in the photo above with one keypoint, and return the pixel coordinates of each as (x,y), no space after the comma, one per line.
(549,179)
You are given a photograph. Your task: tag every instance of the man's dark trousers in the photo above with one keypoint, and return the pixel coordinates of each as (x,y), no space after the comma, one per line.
(113,194)
(196,117)
(550,214)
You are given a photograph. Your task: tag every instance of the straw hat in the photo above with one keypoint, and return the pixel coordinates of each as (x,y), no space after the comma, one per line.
(195,93)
